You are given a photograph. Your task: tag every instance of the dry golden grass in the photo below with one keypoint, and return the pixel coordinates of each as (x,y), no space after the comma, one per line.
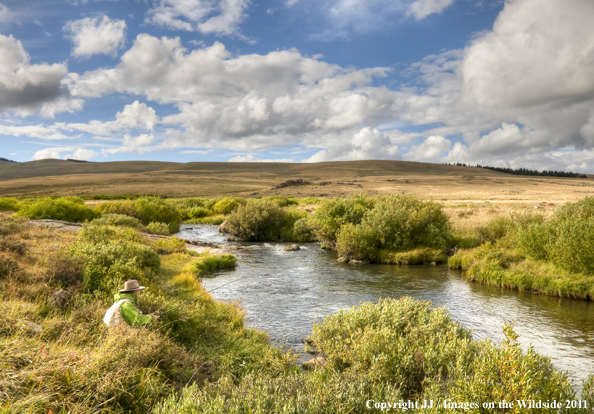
(452,185)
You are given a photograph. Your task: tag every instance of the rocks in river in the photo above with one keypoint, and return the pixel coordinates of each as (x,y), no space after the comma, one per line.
(354,261)
(60,298)
(317,362)
(342,259)
(233,238)
(292,248)
(223,228)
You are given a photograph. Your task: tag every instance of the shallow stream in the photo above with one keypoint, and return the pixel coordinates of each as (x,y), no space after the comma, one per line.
(283,292)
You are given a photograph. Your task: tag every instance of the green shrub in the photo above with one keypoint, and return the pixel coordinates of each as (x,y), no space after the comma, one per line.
(145,209)
(117,220)
(158,228)
(65,208)
(257,220)
(282,201)
(9,204)
(209,264)
(394,223)
(170,245)
(212,220)
(387,352)
(296,226)
(332,214)
(197,212)
(108,264)
(225,206)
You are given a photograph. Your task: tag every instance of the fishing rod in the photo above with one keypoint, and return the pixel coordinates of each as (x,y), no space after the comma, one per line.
(197,297)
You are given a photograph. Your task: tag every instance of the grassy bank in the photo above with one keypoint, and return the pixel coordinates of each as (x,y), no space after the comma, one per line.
(534,253)
(56,355)
(396,350)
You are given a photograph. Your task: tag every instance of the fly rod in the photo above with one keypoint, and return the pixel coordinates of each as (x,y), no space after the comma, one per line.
(198,297)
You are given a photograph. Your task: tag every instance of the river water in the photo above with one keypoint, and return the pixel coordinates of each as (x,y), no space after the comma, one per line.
(284,292)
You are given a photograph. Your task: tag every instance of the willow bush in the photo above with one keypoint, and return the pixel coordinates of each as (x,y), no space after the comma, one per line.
(64,208)
(365,228)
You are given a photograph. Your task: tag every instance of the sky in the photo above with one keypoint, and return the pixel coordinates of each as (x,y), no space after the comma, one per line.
(501,83)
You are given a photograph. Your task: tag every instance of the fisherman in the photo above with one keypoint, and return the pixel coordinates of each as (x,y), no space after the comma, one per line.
(124,308)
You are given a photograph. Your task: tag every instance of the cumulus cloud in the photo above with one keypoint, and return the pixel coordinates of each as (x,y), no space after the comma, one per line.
(221,17)
(73,153)
(431,149)
(139,145)
(24,87)
(97,35)
(134,116)
(423,8)
(251,158)
(539,52)
(365,144)
(244,102)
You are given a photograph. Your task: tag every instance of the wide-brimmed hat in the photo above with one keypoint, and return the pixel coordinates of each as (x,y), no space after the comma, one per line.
(131,286)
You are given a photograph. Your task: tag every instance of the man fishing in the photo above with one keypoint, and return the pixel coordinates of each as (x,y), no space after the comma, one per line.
(124,308)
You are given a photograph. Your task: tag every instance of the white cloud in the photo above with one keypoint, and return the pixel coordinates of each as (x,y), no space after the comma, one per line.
(221,17)
(98,35)
(540,52)
(25,87)
(246,102)
(81,154)
(423,8)
(34,131)
(56,152)
(139,145)
(134,116)
(365,144)
(431,149)
(251,158)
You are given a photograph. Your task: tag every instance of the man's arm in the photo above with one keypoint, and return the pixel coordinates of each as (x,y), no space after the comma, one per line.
(133,317)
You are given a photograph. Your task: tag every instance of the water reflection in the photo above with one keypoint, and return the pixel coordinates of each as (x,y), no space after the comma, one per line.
(282,292)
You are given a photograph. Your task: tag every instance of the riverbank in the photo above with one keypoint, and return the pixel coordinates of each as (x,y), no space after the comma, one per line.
(56,355)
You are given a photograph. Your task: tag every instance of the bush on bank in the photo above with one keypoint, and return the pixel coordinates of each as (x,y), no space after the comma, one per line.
(65,208)
(525,252)
(377,229)
(210,263)
(390,351)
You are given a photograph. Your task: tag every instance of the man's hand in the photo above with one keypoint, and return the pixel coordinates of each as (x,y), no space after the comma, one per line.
(156,317)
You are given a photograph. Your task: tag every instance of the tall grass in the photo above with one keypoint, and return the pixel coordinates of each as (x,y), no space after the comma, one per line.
(527,252)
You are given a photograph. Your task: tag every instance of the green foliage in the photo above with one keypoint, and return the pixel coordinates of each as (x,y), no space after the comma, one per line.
(296,226)
(390,351)
(257,220)
(107,263)
(334,213)
(282,201)
(64,208)
(394,223)
(158,228)
(145,209)
(170,245)
(212,220)
(209,264)
(9,204)
(225,206)
(196,212)
(117,220)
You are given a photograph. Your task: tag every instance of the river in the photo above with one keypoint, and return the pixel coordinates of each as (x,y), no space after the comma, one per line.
(284,292)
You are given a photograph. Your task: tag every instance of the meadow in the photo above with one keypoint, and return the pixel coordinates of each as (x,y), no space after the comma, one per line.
(57,356)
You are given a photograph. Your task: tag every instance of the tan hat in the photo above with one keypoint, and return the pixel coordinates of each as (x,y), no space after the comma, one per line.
(131,286)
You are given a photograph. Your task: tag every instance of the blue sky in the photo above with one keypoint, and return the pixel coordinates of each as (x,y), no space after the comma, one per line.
(477,81)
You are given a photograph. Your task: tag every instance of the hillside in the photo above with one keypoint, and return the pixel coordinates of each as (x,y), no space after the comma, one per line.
(441,182)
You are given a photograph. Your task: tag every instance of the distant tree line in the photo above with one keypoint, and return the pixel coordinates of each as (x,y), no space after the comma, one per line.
(73,160)
(6,159)
(524,171)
